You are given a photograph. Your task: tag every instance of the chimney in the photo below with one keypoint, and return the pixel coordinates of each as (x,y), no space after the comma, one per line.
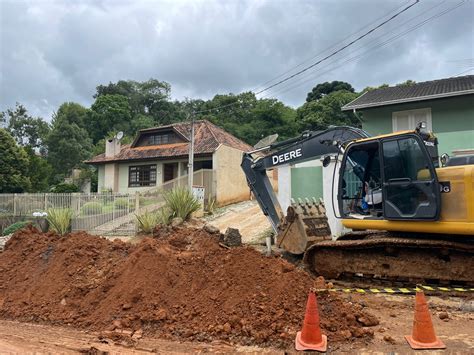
(112,147)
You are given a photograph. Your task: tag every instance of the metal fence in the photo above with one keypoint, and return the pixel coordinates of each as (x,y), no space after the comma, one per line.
(100,213)
(203,177)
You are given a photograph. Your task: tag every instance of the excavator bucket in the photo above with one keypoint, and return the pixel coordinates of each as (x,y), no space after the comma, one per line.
(304,224)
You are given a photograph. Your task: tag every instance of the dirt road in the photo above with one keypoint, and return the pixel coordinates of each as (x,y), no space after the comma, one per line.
(394,312)
(21,338)
(246,216)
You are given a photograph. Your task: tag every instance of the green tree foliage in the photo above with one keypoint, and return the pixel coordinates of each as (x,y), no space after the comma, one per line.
(149,99)
(73,113)
(110,113)
(25,129)
(247,117)
(39,171)
(322,113)
(408,82)
(326,88)
(68,143)
(64,187)
(13,165)
(370,88)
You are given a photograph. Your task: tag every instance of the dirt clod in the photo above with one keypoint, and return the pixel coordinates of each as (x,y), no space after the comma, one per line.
(367,320)
(443,315)
(232,237)
(182,285)
(177,221)
(209,228)
(389,339)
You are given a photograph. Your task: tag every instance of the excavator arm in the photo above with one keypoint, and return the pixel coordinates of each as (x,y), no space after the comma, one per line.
(308,146)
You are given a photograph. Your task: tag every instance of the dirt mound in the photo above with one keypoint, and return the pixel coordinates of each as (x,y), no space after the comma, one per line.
(183,285)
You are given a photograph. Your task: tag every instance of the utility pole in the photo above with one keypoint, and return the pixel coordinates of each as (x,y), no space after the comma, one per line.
(191,157)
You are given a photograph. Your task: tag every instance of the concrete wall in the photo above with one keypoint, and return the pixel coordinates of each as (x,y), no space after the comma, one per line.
(111,172)
(230,182)
(100,178)
(307,180)
(452,119)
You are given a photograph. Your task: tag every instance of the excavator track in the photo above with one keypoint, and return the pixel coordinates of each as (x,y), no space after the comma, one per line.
(387,257)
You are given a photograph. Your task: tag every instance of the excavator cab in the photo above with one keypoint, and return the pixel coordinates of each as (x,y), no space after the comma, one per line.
(389,177)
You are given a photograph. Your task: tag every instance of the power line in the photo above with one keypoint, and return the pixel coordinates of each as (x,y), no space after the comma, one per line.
(318,62)
(358,49)
(464,72)
(328,48)
(379,45)
(340,49)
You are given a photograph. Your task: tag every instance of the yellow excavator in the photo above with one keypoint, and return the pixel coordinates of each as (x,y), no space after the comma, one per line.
(405,216)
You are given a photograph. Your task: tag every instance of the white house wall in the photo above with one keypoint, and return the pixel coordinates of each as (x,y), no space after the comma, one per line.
(100,178)
(123,173)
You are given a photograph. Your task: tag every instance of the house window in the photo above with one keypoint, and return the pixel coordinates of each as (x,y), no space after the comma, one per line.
(408,120)
(158,139)
(142,175)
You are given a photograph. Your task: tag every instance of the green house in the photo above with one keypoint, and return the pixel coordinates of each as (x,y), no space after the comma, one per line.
(446,105)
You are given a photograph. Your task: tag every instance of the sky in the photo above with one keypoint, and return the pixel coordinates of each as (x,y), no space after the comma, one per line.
(57,51)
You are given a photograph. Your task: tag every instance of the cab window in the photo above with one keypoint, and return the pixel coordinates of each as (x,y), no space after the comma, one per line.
(404,159)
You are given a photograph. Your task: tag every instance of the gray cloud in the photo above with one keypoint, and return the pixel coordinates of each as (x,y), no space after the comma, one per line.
(57,51)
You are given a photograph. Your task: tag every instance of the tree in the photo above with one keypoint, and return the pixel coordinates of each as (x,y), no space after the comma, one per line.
(13,165)
(39,171)
(408,82)
(326,88)
(110,113)
(73,113)
(25,129)
(320,114)
(370,88)
(247,117)
(150,98)
(68,146)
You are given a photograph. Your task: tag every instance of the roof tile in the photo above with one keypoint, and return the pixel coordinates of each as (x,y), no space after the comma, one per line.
(420,91)
(207,136)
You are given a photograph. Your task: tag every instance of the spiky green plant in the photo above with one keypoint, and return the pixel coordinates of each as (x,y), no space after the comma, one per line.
(181,203)
(60,220)
(211,204)
(147,221)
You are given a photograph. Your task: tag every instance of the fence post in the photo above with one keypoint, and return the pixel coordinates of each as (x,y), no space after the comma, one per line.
(113,210)
(45,202)
(137,201)
(14,204)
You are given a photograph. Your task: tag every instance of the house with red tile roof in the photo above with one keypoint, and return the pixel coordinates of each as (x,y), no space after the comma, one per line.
(159,155)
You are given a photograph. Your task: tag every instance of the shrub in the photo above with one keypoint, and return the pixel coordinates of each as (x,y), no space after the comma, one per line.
(15,226)
(211,204)
(91,208)
(121,203)
(65,188)
(147,221)
(181,203)
(60,220)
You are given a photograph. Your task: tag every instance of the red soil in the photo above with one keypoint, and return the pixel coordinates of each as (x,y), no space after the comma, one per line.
(183,285)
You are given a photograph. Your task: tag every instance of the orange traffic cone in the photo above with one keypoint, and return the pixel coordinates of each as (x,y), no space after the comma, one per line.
(423,335)
(310,337)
